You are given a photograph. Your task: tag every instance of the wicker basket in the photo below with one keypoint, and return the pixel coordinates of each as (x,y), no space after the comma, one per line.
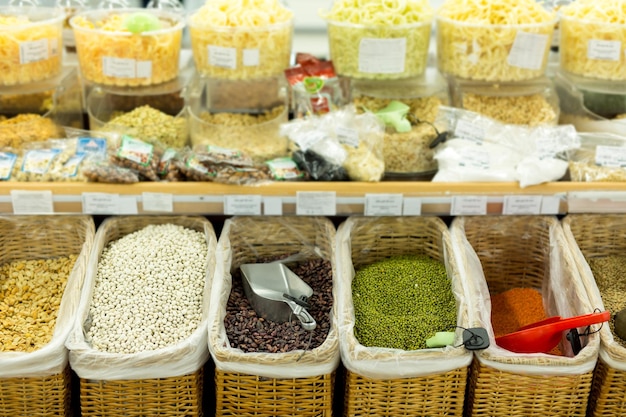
(296,383)
(592,236)
(38,383)
(391,382)
(504,252)
(177,390)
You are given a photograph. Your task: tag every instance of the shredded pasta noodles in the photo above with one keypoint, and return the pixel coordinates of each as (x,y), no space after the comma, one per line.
(109,54)
(241,39)
(379,39)
(494,40)
(30,50)
(593,39)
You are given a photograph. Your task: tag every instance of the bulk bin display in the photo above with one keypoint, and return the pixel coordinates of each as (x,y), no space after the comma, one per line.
(43,262)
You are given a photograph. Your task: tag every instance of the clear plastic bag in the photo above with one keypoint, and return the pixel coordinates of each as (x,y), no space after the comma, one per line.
(601,157)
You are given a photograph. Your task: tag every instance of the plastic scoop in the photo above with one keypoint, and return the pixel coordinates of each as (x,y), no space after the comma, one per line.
(544,335)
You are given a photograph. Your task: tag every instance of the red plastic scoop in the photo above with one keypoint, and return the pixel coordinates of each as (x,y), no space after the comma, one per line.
(544,335)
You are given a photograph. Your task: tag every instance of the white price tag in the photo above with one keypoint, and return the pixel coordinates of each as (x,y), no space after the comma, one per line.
(521,204)
(32,202)
(412,206)
(273,206)
(469,205)
(161,202)
(383,205)
(611,156)
(251,57)
(242,205)
(550,204)
(33,51)
(100,203)
(382,56)
(316,203)
(307,140)
(604,50)
(528,51)
(220,56)
(126,68)
(127,204)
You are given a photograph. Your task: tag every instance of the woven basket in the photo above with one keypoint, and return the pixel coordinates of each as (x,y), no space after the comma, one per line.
(524,251)
(592,236)
(391,382)
(166,395)
(266,384)
(44,387)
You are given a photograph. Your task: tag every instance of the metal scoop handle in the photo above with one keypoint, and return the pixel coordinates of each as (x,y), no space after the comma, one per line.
(306,320)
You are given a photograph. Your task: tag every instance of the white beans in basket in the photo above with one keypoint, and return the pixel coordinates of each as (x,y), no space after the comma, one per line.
(148,289)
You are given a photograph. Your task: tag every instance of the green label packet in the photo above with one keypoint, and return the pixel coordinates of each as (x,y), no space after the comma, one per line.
(7,162)
(135,150)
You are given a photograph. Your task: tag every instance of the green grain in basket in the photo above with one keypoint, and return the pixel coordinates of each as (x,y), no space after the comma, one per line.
(400,302)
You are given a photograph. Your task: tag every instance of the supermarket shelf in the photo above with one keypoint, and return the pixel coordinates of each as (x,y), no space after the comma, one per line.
(329,198)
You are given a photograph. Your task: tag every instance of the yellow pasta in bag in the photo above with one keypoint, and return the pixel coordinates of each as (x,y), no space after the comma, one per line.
(379,39)
(128,47)
(241,39)
(31,42)
(593,39)
(494,40)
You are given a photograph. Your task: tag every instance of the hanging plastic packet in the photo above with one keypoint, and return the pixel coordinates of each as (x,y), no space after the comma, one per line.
(140,156)
(8,159)
(231,166)
(315,87)
(477,148)
(192,168)
(343,139)
(285,169)
(168,168)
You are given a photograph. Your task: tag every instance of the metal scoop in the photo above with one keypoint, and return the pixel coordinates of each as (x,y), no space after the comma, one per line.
(544,335)
(276,293)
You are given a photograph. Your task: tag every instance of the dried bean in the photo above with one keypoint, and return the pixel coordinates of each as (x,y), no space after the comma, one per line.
(251,333)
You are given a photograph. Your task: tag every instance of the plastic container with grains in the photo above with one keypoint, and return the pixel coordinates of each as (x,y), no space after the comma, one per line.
(529,103)
(243,39)
(128,46)
(373,39)
(253,127)
(506,41)
(32,42)
(601,157)
(158,119)
(593,39)
(407,154)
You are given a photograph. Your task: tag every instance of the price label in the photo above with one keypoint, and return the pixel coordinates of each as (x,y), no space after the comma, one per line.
(604,50)
(528,50)
(316,203)
(108,203)
(412,206)
(468,206)
(383,205)
(161,202)
(522,204)
(382,56)
(251,57)
(550,204)
(223,57)
(273,206)
(242,205)
(32,202)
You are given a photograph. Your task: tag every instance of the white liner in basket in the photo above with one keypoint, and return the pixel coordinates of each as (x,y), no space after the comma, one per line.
(322,360)
(182,358)
(387,363)
(562,289)
(52,358)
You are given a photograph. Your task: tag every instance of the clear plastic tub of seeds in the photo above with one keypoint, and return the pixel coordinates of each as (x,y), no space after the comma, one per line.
(159,117)
(37,112)
(32,43)
(593,105)
(249,123)
(375,39)
(408,108)
(504,41)
(593,39)
(128,46)
(532,102)
(242,40)
(601,157)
